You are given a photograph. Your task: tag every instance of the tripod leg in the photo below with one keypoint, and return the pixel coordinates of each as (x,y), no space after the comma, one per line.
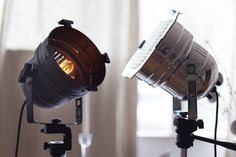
(183,152)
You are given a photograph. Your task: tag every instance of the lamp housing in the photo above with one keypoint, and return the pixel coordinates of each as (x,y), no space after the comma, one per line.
(162,60)
(66,65)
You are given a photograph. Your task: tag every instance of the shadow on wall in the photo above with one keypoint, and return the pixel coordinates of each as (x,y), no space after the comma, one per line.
(11,99)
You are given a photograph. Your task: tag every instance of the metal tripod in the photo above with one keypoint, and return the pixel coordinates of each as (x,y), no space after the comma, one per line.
(187,123)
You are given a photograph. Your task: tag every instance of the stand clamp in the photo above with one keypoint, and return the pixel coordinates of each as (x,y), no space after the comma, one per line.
(185,129)
(57,148)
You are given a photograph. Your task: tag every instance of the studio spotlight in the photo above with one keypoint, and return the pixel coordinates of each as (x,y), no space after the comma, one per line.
(172,60)
(65,66)
(162,61)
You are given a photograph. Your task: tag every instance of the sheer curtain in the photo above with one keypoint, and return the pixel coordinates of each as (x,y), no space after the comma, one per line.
(110,113)
(232,117)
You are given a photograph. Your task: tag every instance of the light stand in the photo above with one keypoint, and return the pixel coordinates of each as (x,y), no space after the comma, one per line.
(187,123)
(184,129)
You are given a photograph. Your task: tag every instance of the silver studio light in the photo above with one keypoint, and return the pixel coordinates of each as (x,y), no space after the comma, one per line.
(162,59)
(172,60)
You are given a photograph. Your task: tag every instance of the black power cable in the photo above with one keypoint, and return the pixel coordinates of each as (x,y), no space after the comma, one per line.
(216,122)
(19,128)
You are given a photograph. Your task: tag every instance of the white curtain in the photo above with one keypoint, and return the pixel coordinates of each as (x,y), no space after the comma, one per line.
(110,113)
(232,117)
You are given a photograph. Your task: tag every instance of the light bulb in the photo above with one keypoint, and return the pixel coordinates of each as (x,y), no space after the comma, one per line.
(65,64)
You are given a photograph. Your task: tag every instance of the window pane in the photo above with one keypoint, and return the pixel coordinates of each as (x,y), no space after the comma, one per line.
(154,111)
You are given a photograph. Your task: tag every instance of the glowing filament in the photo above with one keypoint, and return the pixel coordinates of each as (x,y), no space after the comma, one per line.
(68,67)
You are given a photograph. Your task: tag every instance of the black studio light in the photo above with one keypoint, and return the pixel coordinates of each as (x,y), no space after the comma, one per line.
(66,65)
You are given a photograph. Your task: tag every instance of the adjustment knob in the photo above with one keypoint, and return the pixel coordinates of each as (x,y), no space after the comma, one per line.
(56,121)
(200,124)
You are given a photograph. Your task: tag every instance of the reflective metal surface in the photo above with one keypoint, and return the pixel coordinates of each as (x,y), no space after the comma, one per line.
(163,58)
